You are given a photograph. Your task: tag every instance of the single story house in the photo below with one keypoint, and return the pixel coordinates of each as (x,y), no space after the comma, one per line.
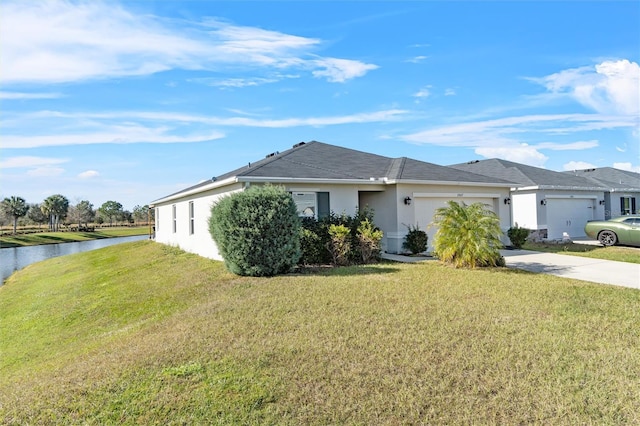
(623,189)
(325,178)
(555,204)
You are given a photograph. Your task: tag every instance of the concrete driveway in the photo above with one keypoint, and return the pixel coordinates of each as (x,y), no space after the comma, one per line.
(580,268)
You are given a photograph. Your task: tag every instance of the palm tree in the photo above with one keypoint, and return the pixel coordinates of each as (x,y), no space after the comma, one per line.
(55,206)
(468,236)
(16,207)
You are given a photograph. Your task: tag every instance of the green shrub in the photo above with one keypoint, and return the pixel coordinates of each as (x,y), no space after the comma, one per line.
(517,236)
(316,241)
(339,244)
(313,251)
(369,238)
(416,240)
(468,236)
(257,231)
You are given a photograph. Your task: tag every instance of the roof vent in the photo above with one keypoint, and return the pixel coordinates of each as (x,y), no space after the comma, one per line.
(213,179)
(473,162)
(273,154)
(299,144)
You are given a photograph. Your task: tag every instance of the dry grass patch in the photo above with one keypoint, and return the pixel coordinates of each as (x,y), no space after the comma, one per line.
(384,344)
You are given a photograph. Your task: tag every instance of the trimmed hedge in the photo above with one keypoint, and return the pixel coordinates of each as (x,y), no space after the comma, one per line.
(257,231)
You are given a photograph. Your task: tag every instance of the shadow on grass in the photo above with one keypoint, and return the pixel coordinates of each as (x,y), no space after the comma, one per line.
(329,270)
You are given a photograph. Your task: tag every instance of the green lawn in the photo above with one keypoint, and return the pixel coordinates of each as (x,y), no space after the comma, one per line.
(141,333)
(618,253)
(67,237)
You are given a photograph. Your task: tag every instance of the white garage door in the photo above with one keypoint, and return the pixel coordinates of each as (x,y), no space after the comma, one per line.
(568,215)
(426,208)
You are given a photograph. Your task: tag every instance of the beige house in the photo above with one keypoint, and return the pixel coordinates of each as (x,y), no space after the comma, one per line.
(324,178)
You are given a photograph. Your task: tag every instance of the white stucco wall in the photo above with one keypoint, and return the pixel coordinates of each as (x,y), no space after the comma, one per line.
(411,215)
(524,209)
(391,214)
(200,242)
(527,203)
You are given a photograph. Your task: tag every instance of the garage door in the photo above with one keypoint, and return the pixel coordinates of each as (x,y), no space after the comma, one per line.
(426,208)
(568,215)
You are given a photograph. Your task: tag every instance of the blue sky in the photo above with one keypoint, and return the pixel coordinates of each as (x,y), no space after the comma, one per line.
(132,101)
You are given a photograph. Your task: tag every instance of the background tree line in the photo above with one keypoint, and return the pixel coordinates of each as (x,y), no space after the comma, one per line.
(56,210)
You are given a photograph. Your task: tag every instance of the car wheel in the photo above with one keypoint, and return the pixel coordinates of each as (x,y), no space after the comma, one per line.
(607,238)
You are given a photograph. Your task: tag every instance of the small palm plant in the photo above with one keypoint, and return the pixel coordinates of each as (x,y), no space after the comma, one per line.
(468,236)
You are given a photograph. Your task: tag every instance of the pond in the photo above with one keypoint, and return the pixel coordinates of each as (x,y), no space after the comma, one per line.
(15,258)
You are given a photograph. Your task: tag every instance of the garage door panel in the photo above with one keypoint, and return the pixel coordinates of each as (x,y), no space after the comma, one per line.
(425,209)
(568,215)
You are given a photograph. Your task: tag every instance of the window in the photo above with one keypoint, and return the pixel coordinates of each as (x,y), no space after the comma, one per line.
(312,204)
(627,205)
(173,216)
(191,218)
(157,219)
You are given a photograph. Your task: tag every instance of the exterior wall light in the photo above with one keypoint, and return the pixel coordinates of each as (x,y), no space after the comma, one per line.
(507,200)
(407,201)
(601,202)
(543,202)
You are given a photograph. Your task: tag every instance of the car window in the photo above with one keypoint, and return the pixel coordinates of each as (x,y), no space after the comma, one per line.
(632,221)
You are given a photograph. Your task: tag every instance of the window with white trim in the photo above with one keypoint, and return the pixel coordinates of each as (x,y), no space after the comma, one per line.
(312,204)
(173,217)
(191,218)
(627,205)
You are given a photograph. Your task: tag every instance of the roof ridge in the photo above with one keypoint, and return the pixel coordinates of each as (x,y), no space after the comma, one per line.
(270,158)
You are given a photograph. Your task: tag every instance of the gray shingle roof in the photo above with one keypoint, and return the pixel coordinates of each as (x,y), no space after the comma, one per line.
(317,160)
(610,177)
(527,175)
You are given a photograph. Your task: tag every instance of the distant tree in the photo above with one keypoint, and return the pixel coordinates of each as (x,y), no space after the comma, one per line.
(126,216)
(140,213)
(15,207)
(56,207)
(36,215)
(111,210)
(81,213)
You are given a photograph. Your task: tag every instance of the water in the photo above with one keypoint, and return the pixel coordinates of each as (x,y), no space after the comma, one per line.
(15,258)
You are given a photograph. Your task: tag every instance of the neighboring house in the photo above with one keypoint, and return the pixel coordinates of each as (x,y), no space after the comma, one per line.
(623,189)
(325,178)
(554,203)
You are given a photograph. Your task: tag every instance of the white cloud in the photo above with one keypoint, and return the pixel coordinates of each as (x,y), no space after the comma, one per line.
(577,165)
(503,137)
(522,153)
(627,166)
(28,96)
(611,87)
(46,172)
(572,146)
(55,42)
(125,134)
(417,59)
(450,92)
(29,161)
(423,93)
(151,127)
(341,70)
(88,174)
